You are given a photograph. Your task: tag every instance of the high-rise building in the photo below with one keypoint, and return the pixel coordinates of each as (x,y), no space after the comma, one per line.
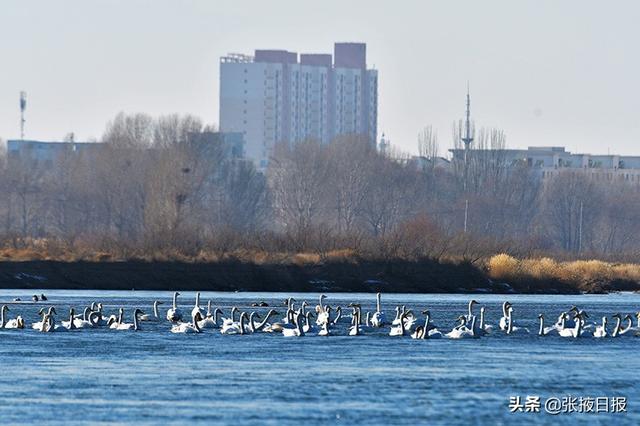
(273,97)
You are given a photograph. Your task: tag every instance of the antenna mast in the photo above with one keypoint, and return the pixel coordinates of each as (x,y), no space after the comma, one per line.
(468,137)
(23,107)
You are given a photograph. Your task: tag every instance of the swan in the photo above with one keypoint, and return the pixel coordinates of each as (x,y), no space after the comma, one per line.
(400,329)
(511,327)
(572,332)
(70,325)
(264,323)
(90,320)
(174,314)
(430,331)
(239,327)
(188,327)
(618,331)
(236,327)
(297,330)
(485,328)
(211,321)
(101,319)
(564,320)
(378,319)
(462,331)
(504,320)
(324,330)
(408,318)
(130,326)
(196,308)
(17,323)
(308,327)
(289,304)
(50,326)
(470,314)
(47,324)
(38,325)
(355,329)
(545,331)
(155,316)
(322,314)
(114,321)
(601,330)
(340,318)
(232,320)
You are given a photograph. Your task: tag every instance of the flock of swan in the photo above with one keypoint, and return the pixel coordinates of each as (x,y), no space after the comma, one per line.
(323,320)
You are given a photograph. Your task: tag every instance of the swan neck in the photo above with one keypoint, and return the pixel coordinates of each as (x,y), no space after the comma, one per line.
(541,331)
(264,321)
(155,309)
(242,317)
(135,321)
(378,302)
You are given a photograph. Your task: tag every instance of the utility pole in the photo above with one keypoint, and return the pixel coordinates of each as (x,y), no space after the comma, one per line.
(467,138)
(580,230)
(466,214)
(23,107)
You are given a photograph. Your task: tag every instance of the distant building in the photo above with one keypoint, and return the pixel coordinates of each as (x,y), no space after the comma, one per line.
(552,160)
(273,97)
(47,154)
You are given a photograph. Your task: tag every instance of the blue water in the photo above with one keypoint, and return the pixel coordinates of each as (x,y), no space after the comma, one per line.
(154,376)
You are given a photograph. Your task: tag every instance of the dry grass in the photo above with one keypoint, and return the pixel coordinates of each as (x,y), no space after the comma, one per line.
(505,267)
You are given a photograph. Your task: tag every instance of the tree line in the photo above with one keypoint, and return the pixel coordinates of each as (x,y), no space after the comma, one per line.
(151,191)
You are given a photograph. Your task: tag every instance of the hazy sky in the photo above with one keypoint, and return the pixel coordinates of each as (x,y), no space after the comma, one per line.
(547,72)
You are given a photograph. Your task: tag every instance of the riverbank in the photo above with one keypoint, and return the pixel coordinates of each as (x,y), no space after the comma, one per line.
(424,276)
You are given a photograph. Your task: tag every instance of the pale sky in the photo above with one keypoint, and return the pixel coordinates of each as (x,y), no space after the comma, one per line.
(547,72)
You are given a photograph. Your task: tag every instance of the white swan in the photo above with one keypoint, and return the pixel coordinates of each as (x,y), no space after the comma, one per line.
(308,327)
(297,330)
(322,314)
(504,320)
(89,320)
(16,323)
(400,329)
(122,326)
(355,329)
(470,314)
(174,314)
(572,332)
(546,331)
(196,309)
(211,320)
(431,332)
(462,331)
(228,322)
(486,328)
(601,330)
(324,330)
(618,331)
(265,322)
(511,327)
(236,327)
(342,318)
(378,319)
(155,316)
(71,324)
(188,327)
(38,325)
